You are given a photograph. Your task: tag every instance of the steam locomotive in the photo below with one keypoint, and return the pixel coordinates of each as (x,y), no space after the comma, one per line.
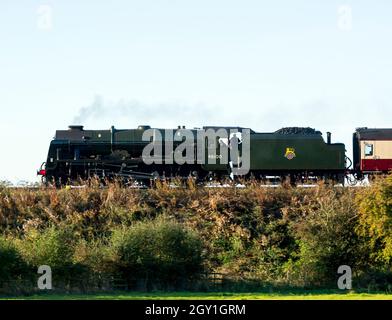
(293,153)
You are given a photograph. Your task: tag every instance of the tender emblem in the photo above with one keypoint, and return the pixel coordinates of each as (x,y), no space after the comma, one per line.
(290,153)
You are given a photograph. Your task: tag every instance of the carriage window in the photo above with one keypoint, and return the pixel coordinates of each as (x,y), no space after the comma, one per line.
(368,149)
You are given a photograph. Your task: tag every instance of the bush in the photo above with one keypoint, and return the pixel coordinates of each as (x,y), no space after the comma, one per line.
(12,266)
(375,220)
(375,280)
(326,239)
(270,251)
(54,247)
(158,251)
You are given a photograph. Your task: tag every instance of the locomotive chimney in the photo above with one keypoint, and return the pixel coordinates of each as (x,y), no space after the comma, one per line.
(329,137)
(75,127)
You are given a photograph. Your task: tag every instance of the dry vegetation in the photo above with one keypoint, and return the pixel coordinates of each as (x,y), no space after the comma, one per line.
(277,236)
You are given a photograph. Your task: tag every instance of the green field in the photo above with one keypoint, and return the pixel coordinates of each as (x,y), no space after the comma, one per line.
(316,295)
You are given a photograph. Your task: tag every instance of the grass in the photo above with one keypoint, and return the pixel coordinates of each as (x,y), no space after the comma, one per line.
(313,295)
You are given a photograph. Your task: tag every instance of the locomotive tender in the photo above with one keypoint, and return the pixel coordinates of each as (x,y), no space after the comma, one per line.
(295,153)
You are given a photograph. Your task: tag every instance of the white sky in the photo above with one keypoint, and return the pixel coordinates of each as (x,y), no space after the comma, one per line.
(258,64)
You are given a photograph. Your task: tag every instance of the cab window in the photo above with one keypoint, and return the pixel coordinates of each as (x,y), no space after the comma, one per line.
(368,149)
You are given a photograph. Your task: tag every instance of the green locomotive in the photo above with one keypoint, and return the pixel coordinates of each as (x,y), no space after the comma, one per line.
(297,153)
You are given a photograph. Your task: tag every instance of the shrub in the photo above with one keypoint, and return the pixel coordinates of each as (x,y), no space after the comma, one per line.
(375,220)
(54,247)
(375,280)
(12,266)
(270,251)
(158,251)
(95,255)
(326,239)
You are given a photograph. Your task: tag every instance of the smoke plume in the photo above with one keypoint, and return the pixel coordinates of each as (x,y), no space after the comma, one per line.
(142,113)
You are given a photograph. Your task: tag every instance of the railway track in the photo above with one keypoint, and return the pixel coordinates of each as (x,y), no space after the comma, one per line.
(211,185)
